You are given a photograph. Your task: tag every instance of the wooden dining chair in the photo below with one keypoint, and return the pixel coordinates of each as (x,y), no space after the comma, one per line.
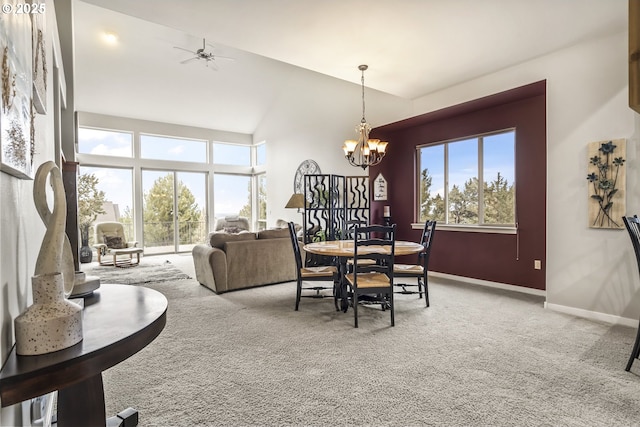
(373,280)
(348,232)
(632,223)
(312,274)
(420,269)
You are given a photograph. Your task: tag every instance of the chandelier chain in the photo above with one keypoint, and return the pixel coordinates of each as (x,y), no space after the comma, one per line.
(362,80)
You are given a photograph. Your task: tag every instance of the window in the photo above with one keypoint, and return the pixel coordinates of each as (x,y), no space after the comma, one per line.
(449,177)
(231,154)
(105,142)
(105,194)
(177,149)
(175,220)
(232,195)
(262,202)
(261,154)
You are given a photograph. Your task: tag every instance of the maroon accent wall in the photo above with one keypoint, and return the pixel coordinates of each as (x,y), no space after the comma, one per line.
(504,258)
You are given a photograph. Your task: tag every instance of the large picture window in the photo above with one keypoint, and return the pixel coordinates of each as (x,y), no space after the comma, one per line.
(468,181)
(163,188)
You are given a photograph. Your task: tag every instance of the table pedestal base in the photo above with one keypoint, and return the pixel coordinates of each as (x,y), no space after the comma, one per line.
(82,404)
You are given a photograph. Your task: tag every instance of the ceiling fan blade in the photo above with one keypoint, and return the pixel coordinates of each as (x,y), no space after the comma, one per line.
(188,60)
(224,57)
(186,50)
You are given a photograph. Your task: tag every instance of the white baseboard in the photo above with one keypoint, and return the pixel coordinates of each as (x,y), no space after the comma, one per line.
(592,315)
(488,283)
(578,312)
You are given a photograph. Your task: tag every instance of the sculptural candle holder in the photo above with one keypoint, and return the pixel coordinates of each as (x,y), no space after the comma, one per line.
(52,323)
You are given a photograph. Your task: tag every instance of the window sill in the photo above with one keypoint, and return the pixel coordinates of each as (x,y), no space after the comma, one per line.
(491,229)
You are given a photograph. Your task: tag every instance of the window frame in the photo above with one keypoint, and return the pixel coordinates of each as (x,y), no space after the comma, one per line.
(480,227)
(137,164)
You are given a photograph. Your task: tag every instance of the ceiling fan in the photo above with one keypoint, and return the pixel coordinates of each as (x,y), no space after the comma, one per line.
(208,58)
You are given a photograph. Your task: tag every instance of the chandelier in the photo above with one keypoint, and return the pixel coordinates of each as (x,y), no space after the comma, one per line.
(364,152)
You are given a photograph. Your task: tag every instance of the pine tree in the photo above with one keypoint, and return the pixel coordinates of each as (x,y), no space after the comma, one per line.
(90,201)
(158,213)
(498,201)
(426,201)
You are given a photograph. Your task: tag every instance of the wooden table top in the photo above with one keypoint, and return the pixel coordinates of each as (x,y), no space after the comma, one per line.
(344,248)
(117,322)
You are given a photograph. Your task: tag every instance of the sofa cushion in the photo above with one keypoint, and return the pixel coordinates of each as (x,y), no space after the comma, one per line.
(276,233)
(218,239)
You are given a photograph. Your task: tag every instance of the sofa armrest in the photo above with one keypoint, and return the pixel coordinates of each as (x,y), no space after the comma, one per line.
(211,267)
(132,244)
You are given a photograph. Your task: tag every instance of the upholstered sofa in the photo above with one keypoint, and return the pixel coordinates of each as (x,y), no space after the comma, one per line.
(231,261)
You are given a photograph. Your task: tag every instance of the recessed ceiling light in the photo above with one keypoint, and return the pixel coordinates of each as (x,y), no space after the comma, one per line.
(110,37)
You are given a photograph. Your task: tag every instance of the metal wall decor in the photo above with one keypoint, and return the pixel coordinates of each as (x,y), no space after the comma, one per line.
(607,182)
(307,167)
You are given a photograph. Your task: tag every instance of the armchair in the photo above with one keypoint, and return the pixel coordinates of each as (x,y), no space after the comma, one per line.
(109,239)
(232,224)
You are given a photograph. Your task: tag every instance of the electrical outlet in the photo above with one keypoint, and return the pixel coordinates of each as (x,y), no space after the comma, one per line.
(537,264)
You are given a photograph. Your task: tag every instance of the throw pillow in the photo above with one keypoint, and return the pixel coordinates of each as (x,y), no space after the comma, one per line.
(114,242)
(232,230)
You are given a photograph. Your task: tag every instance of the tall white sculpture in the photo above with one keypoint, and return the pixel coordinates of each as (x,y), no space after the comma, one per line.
(53,322)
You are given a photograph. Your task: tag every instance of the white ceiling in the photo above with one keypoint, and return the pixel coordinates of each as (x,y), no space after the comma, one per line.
(412,47)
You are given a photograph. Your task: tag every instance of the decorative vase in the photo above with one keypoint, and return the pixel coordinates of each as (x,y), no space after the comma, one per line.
(52,323)
(86,255)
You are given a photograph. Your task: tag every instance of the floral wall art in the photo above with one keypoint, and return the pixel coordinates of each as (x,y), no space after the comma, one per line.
(607,181)
(16,88)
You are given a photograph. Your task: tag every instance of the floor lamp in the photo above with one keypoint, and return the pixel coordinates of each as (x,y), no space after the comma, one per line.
(296,201)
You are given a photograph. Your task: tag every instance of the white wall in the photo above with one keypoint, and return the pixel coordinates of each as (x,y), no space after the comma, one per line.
(590,272)
(311,119)
(21,229)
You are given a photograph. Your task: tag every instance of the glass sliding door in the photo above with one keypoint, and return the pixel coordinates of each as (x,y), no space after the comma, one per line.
(174,215)
(192,217)
(104,194)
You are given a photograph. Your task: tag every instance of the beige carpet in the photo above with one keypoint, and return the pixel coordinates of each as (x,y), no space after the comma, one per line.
(476,357)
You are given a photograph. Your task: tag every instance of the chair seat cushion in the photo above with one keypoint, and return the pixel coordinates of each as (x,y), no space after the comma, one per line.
(369,280)
(323,271)
(365,261)
(408,269)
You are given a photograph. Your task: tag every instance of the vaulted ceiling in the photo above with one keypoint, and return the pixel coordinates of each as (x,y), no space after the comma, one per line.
(412,47)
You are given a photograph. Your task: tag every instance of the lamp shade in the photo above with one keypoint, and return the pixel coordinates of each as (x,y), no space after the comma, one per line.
(296,201)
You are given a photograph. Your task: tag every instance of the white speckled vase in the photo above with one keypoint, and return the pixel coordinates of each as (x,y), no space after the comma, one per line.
(52,323)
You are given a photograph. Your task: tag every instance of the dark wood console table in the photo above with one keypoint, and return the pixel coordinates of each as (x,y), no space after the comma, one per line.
(118,321)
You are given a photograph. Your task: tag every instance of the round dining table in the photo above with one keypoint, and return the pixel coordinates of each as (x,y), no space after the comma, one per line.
(343,250)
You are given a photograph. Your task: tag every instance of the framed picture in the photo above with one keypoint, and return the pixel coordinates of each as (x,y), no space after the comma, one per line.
(379,188)
(39,63)
(16,139)
(634,55)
